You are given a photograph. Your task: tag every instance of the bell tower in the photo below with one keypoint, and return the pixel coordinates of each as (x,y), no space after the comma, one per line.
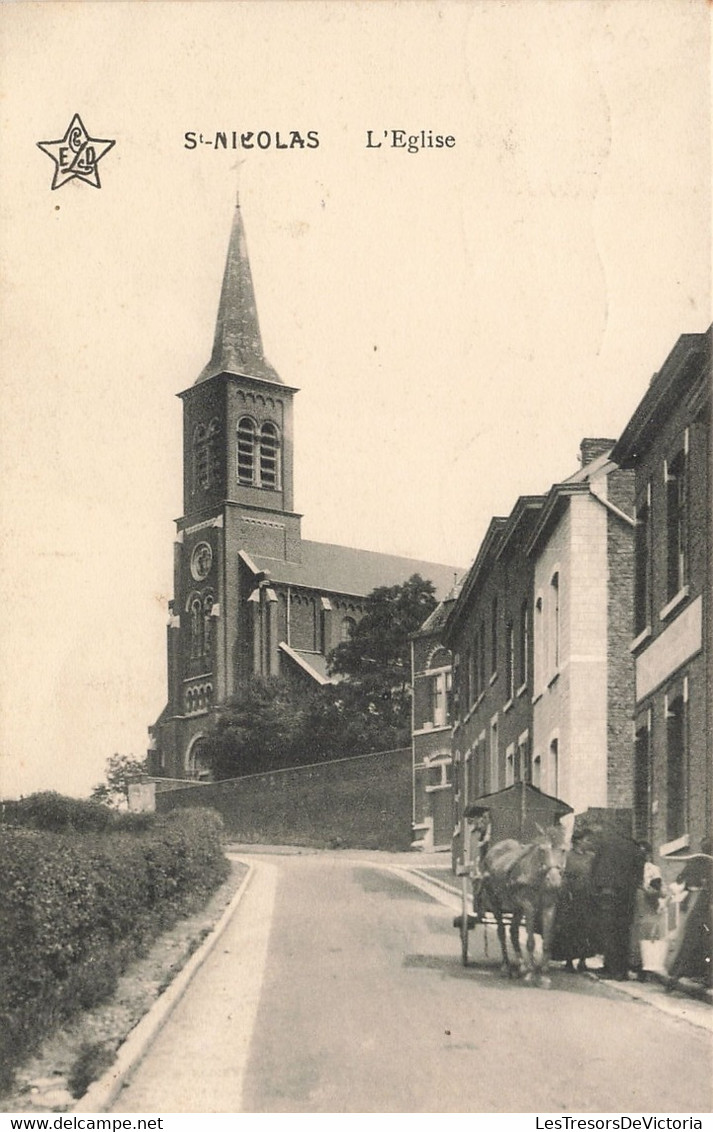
(237,503)
(238,439)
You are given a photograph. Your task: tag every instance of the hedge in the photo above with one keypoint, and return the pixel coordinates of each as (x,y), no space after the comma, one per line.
(56,813)
(75,908)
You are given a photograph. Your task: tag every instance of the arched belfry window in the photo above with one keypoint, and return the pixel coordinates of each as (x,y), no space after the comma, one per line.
(258,454)
(206,460)
(246,450)
(269,456)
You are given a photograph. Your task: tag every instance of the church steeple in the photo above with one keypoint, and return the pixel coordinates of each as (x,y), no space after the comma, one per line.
(237,346)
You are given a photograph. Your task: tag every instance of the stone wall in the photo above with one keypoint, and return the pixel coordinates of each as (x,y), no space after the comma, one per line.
(362,802)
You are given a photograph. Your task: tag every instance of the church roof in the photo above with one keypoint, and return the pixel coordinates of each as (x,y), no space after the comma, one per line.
(313,663)
(437,618)
(237,346)
(346,570)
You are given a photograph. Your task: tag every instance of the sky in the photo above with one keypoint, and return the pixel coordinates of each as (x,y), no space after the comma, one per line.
(456,319)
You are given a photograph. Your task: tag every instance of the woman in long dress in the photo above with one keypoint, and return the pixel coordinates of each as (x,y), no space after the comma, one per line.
(575,934)
(649,923)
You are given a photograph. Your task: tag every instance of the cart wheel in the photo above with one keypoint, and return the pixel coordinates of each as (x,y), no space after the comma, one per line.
(465,920)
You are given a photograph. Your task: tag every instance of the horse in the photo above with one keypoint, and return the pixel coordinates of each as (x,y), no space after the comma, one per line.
(525,879)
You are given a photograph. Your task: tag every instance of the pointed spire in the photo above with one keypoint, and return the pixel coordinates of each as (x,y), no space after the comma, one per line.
(237,346)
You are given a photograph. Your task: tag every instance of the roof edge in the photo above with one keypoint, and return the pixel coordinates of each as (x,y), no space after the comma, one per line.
(663,388)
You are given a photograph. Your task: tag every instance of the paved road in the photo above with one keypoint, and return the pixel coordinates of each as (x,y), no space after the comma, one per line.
(338,987)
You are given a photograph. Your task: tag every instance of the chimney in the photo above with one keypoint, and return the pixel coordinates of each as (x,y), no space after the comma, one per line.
(592,447)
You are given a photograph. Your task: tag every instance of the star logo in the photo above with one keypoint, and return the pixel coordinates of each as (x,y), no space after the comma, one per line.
(76,155)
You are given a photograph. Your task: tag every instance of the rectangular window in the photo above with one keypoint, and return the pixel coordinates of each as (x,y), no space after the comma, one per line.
(510,661)
(455,694)
(475,790)
(523,770)
(537,772)
(539,681)
(642,779)
(478,676)
(553,768)
(465,683)
(524,642)
(493,785)
(676,765)
(481,642)
(439,711)
(482,765)
(555,622)
(642,564)
(676,524)
(494,636)
(456,779)
(510,765)
(472,676)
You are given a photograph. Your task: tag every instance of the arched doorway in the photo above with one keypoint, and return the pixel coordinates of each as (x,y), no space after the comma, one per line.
(197,766)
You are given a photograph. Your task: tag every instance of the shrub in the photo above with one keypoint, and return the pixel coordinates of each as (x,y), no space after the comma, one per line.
(76,907)
(56,813)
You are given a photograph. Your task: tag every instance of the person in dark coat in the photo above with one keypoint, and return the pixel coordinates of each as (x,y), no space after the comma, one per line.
(575,936)
(617,872)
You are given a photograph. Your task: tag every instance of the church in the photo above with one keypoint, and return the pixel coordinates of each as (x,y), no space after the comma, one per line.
(251,596)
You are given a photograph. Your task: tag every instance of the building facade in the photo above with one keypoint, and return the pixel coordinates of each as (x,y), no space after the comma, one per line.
(543,678)
(489,631)
(582,551)
(431,675)
(251,596)
(667,443)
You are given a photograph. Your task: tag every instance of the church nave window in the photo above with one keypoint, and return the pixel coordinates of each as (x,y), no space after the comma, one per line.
(200,609)
(196,627)
(207,625)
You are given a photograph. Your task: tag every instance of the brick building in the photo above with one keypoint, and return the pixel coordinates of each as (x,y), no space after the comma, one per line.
(489,630)
(431,673)
(543,679)
(582,551)
(667,443)
(251,596)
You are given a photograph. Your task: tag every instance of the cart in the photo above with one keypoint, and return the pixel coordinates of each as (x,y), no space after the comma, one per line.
(521,812)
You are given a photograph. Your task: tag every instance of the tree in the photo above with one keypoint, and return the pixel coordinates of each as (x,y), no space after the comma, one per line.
(256,730)
(273,723)
(120,771)
(375,662)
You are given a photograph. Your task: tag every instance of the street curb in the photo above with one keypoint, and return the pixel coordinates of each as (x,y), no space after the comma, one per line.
(454,891)
(685,987)
(133,1049)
